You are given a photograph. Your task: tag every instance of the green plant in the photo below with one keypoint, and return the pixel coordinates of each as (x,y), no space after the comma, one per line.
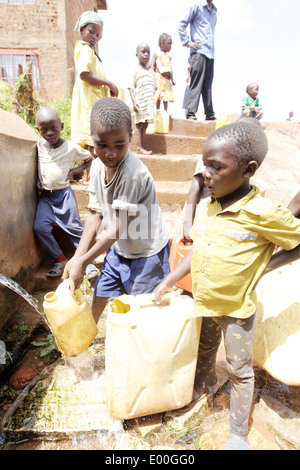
(47,345)
(6,96)
(63,107)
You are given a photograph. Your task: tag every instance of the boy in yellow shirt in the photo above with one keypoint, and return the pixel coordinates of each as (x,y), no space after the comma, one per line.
(234,235)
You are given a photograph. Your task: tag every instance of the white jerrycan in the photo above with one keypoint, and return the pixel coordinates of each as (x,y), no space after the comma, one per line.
(151,354)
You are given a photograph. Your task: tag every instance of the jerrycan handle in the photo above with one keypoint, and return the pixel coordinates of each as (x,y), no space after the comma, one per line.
(165,302)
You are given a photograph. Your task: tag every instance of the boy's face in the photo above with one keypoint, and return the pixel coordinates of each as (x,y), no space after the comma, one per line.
(223,174)
(91,33)
(253,92)
(111,145)
(143,54)
(50,129)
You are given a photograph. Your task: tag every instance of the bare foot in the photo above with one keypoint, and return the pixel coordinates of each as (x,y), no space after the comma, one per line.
(143,151)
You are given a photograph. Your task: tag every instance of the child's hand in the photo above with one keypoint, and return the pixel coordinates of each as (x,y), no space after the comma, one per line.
(160,290)
(113,89)
(39,187)
(75,271)
(167,75)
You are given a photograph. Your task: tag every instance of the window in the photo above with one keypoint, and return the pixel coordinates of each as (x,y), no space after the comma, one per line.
(14,61)
(28,2)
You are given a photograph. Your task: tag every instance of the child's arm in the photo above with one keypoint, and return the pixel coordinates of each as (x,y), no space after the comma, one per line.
(132,96)
(153,62)
(89,248)
(282,257)
(195,193)
(95,80)
(294,205)
(182,269)
(78,169)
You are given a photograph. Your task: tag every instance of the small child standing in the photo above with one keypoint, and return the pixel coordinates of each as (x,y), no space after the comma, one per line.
(91,82)
(57,203)
(234,234)
(123,196)
(142,91)
(163,72)
(251,106)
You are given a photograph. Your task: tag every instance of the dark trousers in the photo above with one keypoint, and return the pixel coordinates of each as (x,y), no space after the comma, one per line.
(202,74)
(238,341)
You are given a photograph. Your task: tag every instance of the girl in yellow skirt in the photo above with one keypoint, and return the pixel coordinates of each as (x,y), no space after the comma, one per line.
(163,72)
(91,83)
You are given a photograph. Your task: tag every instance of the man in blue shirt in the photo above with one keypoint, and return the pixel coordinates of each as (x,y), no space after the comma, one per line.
(202,20)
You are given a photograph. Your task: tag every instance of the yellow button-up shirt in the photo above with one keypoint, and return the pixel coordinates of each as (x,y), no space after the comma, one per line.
(231,250)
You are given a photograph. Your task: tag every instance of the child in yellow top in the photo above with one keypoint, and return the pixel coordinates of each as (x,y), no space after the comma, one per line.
(234,235)
(91,83)
(163,72)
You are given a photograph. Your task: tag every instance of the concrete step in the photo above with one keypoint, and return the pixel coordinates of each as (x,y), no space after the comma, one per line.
(170,167)
(191,128)
(170,144)
(82,196)
(172,194)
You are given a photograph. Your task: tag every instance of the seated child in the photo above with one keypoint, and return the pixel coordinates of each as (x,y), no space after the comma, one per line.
(251,106)
(234,235)
(123,197)
(57,203)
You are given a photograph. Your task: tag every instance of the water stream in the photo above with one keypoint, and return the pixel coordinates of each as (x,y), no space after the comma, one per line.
(13,285)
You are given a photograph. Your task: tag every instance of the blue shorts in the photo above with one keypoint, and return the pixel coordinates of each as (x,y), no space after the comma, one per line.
(121,275)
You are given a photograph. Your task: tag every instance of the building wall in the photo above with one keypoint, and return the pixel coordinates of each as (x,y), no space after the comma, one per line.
(48,27)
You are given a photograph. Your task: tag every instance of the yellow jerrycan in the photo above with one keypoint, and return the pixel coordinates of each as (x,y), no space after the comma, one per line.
(150,354)
(70,319)
(276,345)
(161,122)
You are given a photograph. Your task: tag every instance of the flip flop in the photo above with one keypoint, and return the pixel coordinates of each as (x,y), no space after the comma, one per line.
(91,271)
(85,182)
(56,270)
(235,442)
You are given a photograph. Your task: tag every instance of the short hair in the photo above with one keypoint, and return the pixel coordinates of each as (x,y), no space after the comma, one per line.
(163,38)
(250,86)
(249,139)
(140,45)
(112,113)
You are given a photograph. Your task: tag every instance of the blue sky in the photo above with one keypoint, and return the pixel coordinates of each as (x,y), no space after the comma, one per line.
(256,40)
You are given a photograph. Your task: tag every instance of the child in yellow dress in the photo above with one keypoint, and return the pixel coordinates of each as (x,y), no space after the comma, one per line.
(91,83)
(163,72)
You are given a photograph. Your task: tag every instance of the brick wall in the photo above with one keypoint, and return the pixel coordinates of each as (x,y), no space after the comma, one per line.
(49,27)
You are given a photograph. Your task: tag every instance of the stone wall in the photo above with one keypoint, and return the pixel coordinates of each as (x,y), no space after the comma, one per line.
(20,254)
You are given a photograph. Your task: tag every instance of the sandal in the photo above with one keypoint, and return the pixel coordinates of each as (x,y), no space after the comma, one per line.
(56,270)
(85,182)
(91,271)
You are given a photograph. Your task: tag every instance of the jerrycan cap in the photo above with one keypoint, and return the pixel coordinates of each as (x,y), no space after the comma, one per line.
(50,297)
